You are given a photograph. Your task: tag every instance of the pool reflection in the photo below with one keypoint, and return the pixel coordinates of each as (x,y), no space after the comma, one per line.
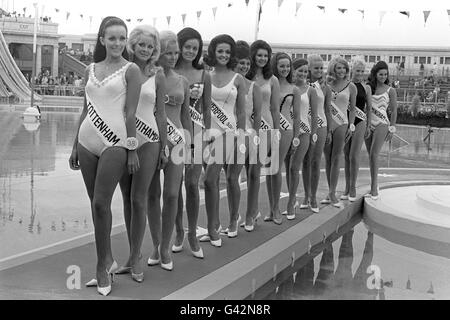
(357,275)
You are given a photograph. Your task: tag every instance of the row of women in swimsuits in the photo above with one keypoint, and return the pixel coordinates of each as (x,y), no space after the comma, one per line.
(148,99)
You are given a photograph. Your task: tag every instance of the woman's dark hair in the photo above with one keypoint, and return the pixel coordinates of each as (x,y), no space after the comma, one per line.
(188,34)
(100,50)
(380,65)
(267,70)
(299,62)
(210,57)
(277,57)
(242,50)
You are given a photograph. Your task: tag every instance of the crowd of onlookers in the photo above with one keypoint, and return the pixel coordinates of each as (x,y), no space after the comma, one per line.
(62,85)
(85,57)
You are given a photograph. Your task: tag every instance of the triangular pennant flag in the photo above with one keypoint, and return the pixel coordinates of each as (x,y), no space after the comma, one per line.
(67,15)
(168,20)
(139,20)
(154,21)
(321,8)
(362,12)
(229,5)
(246,2)
(128,20)
(381,14)
(342,10)
(183,17)
(214,12)
(81,16)
(57,10)
(405,13)
(199,13)
(297,6)
(426,13)
(448,14)
(280,2)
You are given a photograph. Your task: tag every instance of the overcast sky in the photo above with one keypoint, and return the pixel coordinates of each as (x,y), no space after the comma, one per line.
(310,26)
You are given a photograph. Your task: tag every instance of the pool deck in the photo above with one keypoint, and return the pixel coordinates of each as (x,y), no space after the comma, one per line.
(234,271)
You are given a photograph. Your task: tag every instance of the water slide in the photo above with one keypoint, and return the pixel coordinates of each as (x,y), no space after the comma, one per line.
(71,64)
(12,81)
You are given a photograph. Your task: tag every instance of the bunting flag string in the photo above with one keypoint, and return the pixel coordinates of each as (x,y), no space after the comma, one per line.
(297,6)
(260,3)
(405,13)
(280,2)
(426,13)
(381,15)
(362,13)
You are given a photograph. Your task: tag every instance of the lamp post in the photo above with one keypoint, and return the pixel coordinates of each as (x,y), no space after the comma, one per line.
(33,70)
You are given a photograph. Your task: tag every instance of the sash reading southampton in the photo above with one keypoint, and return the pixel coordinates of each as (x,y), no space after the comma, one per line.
(102,129)
(146,131)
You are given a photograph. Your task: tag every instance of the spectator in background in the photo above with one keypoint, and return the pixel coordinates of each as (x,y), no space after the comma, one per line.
(402,68)
(422,70)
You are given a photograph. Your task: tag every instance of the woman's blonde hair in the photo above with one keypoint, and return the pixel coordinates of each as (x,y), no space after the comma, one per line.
(313,58)
(331,72)
(167,38)
(134,38)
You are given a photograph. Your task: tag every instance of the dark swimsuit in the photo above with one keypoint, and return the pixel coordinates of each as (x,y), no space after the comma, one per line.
(361,100)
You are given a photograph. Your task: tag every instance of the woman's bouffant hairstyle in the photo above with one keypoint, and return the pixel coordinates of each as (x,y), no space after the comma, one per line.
(277,57)
(145,30)
(299,62)
(242,50)
(332,67)
(357,62)
(210,57)
(100,50)
(312,58)
(188,34)
(267,70)
(380,65)
(166,38)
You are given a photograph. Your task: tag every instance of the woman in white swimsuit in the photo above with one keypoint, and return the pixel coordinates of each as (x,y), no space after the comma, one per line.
(343,98)
(143,48)
(314,154)
(308,132)
(105,144)
(289,125)
(228,128)
(383,128)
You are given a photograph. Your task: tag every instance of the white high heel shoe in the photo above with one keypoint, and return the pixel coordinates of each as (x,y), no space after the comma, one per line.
(198,254)
(104,291)
(233,234)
